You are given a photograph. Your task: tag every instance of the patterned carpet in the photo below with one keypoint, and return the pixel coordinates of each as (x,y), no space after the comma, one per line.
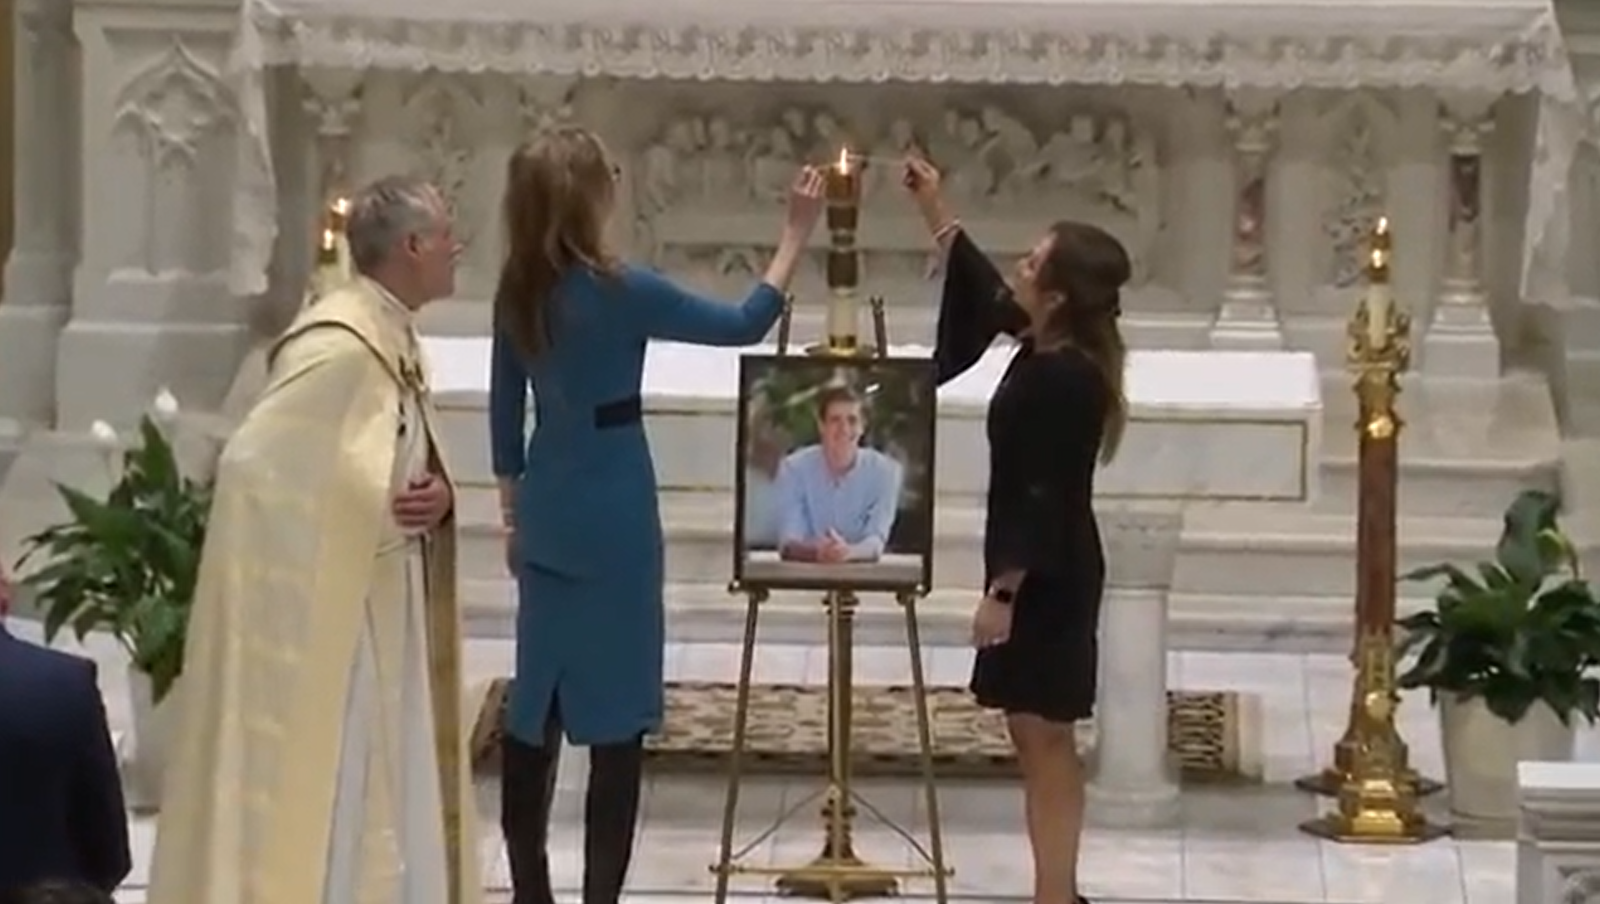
(1211,733)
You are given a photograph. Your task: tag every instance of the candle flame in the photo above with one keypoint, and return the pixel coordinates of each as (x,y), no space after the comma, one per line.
(1383,226)
(340,206)
(329,240)
(844,161)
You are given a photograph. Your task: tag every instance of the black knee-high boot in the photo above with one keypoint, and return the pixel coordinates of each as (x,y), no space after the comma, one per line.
(527,789)
(611,815)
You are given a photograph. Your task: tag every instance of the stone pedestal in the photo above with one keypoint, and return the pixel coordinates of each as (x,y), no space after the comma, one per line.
(1460,340)
(1132,784)
(1558,841)
(150,304)
(38,272)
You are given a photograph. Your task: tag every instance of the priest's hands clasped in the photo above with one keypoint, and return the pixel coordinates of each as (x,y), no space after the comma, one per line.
(424,504)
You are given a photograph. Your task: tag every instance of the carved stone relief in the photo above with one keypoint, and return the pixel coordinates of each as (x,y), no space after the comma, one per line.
(442,112)
(1579,886)
(170,108)
(545,103)
(333,101)
(1360,127)
(708,181)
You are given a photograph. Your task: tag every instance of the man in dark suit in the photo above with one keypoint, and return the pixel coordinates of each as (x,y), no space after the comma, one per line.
(61,811)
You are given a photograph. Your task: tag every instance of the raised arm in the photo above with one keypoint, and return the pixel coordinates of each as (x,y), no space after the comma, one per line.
(665,311)
(975,304)
(508,418)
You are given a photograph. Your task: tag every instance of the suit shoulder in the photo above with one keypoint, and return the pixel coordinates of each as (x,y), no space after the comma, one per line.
(58,664)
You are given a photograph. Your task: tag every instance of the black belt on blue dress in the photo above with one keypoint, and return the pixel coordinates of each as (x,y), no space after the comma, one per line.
(621,413)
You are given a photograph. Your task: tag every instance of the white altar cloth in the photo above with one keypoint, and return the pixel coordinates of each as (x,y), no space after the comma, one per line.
(1160,383)
(1486,47)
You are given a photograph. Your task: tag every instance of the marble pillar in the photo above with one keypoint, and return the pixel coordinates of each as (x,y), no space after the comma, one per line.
(1248,317)
(1132,784)
(1460,340)
(38,273)
(150,302)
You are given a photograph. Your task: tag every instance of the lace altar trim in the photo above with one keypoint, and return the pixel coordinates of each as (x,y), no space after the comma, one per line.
(1482,50)
(1519,60)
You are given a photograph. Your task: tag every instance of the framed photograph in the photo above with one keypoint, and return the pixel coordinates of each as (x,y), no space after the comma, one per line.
(835,473)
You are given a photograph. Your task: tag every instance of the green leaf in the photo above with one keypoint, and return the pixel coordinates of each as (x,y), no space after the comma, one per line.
(1519,552)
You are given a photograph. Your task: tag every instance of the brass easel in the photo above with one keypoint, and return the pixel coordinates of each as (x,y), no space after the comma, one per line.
(837,873)
(1376,787)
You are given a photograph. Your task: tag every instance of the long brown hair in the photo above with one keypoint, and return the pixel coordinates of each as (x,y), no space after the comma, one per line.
(559,188)
(1088,267)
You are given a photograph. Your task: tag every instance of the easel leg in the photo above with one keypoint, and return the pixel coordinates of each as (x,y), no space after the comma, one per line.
(930,788)
(741,723)
(837,874)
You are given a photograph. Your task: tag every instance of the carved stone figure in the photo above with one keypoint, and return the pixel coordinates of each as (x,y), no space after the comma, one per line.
(1359,202)
(772,164)
(724,174)
(665,167)
(443,156)
(705,182)
(883,179)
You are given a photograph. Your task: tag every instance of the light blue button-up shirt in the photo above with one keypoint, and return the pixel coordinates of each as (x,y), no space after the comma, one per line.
(859,505)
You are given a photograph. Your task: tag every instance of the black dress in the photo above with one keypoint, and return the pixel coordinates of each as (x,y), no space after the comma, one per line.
(1044,427)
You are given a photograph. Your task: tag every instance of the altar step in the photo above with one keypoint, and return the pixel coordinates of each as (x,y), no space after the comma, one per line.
(1242,575)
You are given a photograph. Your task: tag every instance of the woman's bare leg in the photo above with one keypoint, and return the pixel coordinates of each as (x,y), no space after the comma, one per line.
(1053,795)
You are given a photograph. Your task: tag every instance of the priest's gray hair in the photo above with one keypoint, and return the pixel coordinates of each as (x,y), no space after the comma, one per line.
(384,213)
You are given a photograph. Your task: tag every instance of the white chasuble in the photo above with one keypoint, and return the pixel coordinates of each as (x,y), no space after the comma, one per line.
(388,843)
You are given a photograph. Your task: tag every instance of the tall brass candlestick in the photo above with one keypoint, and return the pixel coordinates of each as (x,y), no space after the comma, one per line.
(844,259)
(1376,787)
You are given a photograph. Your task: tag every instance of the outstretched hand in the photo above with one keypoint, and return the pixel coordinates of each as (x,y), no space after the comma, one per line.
(806,201)
(921,178)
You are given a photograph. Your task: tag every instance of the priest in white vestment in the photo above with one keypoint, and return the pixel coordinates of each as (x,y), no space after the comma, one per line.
(320,754)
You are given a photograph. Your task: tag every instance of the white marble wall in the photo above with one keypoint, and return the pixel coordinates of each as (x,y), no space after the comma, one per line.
(141,114)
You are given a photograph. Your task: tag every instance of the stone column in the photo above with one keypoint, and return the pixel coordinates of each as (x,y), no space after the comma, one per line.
(151,305)
(1132,784)
(1460,339)
(1248,316)
(38,274)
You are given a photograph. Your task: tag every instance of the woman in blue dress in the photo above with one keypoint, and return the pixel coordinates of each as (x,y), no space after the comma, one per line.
(579,499)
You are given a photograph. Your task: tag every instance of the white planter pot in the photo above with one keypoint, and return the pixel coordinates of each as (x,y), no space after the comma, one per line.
(146,761)
(1481,752)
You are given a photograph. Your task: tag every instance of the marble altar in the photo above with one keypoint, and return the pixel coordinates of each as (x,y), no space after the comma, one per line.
(1238,147)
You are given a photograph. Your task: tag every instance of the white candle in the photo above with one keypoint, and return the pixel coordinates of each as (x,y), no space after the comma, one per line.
(842,316)
(1378,303)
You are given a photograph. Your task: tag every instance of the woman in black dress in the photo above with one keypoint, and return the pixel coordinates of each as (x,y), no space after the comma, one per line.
(1058,411)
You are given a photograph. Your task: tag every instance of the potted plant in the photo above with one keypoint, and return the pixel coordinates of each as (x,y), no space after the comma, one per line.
(1507,655)
(126,565)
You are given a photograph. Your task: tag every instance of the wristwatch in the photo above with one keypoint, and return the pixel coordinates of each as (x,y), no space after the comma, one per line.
(1002,595)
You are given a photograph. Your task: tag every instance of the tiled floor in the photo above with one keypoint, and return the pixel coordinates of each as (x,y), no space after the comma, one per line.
(1232,845)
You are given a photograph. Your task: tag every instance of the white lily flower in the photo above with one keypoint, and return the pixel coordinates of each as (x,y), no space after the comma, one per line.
(105,435)
(165,407)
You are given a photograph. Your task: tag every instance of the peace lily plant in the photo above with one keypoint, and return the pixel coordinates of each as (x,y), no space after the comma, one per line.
(126,564)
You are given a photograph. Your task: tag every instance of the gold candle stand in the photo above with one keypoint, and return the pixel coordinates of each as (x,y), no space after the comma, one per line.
(837,873)
(1376,787)
(332,265)
(842,324)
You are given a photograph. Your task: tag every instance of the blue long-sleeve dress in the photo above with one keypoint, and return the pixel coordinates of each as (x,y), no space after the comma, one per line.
(590,620)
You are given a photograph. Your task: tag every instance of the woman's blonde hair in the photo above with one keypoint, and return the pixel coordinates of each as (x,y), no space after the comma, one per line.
(559,190)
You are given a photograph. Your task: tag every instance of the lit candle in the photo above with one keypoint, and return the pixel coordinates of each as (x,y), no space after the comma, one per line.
(843,190)
(1379,299)
(328,248)
(338,213)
